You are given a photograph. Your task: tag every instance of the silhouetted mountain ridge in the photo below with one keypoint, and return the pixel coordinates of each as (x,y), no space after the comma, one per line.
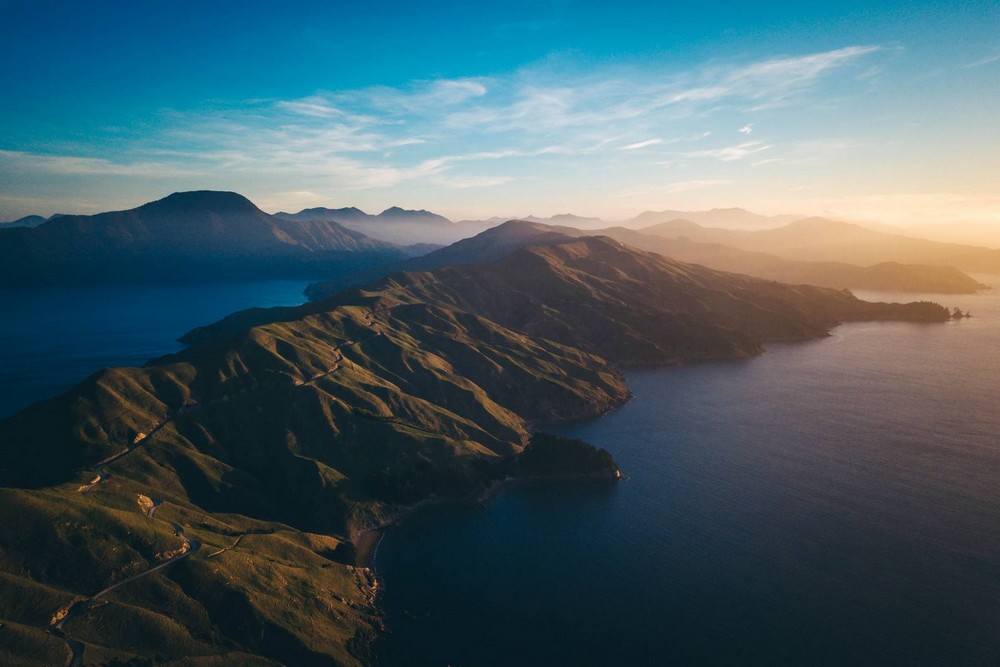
(395,224)
(26,221)
(185,236)
(397,213)
(198,203)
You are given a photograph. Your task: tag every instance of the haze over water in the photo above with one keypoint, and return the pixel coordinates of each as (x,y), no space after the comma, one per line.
(832,502)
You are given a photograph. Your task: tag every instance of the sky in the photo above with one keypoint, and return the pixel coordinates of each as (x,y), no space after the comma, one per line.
(878,111)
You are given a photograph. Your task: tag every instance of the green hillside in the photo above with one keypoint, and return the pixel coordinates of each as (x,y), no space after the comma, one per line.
(205,505)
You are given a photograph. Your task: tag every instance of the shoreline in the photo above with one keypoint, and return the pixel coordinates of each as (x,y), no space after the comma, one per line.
(368,540)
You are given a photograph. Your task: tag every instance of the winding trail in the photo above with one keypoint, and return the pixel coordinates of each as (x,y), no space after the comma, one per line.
(225,549)
(149,504)
(87,488)
(81,603)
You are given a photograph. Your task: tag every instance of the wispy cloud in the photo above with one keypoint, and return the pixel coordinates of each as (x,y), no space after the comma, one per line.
(71,165)
(985,61)
(789,72)
(314,106)
(474,132)
(642,144)
(462,182)
(732,153)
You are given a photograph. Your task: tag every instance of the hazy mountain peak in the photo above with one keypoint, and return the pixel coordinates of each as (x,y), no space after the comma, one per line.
(514,225)
(736,218)
(396,210)
(816,223)
(352,210)
(26,221)
(674,228)
(731,209)
(422,215)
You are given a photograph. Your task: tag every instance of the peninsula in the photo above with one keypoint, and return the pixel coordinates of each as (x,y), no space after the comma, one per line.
(249,461)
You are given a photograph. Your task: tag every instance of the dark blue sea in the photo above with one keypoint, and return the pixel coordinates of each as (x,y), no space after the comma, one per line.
(828,503)
(53,337)
(835,502)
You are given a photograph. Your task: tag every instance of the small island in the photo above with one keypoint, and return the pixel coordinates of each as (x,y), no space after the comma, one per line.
(957,314)
(553,457)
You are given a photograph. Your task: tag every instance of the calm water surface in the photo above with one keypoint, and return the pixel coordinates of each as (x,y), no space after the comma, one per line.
(53,337)
(829,503)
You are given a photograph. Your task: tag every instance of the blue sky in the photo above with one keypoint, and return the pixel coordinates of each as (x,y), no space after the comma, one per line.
(859,110)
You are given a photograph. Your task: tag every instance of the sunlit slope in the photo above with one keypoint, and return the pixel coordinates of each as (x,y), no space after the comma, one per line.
(277,446)
(321,388)
(635,307)
(221,486)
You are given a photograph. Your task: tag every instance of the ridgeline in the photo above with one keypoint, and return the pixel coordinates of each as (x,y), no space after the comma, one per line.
(271,446)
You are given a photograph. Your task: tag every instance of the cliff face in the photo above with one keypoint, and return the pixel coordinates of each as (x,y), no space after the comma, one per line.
(248,460)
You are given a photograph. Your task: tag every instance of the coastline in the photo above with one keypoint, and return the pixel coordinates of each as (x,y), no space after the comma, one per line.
(367,540)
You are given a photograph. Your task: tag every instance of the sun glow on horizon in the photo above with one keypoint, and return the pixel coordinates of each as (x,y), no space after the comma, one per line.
(869,117)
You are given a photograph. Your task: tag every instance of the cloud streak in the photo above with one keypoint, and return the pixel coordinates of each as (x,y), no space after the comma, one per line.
(732,153)
(515,116)
(642,144)
(500,131)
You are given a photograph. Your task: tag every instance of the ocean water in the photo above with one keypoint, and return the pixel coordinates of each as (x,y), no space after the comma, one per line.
(835,502)
(53,337)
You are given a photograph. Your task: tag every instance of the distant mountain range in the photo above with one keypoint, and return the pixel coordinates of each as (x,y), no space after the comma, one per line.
(208,235)
(977,233)
(395,225)
(186,236)
(498,242)
(29,221)
(736,218)
(252,461)
(403,226)
(393,214)
(822,240)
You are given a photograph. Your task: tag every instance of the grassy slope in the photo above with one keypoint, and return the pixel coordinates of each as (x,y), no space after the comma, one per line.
(270,449)
(634,307)
(260,439)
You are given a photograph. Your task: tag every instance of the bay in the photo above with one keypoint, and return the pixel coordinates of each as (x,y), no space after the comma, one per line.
(53,337)
(827,503)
